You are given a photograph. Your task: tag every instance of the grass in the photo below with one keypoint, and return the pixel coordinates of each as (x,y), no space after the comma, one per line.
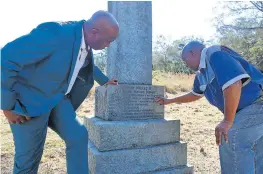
(173,82)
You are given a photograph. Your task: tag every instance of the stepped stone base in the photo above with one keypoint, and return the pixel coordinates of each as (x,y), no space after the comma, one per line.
(178,170)
(114,135)
(137,160)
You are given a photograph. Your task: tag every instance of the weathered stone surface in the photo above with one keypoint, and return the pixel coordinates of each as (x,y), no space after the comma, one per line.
(130,55)
(85,121)
(114,135)
(136,160)
(187,169)
(128,102)
(130,61)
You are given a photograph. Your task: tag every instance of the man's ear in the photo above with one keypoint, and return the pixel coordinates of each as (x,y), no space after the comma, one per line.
(192,52)
(95,31)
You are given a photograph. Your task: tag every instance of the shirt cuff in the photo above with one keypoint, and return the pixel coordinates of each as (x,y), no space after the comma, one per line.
(196,94)
(235,79)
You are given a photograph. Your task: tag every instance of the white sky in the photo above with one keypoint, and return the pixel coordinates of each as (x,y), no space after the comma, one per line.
(174,18)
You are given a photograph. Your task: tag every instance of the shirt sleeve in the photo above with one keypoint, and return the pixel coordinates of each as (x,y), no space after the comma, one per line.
(227,70)
(196,88)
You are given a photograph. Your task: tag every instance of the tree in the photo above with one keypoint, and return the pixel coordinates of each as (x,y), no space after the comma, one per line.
(239,26)
(163,50)
(100,60)
(238,16)
(167,54)
(258,5)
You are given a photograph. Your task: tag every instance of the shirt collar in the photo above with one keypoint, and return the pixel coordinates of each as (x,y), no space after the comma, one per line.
(83,44)
(202,59)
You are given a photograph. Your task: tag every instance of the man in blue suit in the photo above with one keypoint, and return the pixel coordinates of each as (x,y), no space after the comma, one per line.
(46,75)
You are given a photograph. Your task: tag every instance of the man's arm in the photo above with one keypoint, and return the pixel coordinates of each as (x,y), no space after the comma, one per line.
(99,77)
(26,50)
(38,45)
(231,100)
(186,98)
(231,77)
(194,95)
(189,97)
(102,79)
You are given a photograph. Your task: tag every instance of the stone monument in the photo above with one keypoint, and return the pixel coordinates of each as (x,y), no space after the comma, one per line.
(129,134)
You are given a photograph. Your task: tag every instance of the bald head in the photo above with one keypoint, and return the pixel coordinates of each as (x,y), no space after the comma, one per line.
(105,17)
(191,54)
(100,30)
(193,46)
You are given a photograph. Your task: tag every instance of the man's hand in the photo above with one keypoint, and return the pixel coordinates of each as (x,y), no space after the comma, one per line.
(222,130)
(163,101)
(186,98)
(231,100)
(112,82)
(13,118)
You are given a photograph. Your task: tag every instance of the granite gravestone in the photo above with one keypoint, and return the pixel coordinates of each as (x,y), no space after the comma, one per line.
(129,133)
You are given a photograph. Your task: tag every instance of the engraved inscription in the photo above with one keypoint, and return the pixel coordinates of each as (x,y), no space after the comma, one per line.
(100,101)
(136,102)
(114,103)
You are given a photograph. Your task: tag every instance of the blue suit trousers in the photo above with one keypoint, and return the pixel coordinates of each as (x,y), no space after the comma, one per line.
(29,139)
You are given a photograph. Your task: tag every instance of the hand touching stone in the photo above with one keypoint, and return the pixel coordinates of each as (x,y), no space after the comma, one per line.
(162,101)
(112,82)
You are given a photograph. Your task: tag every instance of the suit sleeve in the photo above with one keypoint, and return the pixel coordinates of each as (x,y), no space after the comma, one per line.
(28,49)
(99,77)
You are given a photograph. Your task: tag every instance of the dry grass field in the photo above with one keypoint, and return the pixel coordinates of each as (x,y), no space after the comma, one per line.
(198,120)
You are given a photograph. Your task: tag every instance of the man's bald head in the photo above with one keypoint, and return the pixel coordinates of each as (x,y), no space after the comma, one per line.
(103,16)
(193,46)
(191,54)
(100,30)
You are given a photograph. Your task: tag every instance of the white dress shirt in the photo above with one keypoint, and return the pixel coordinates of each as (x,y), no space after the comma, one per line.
(80,61)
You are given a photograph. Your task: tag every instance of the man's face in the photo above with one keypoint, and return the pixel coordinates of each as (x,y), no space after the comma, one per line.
(101,39)
(191,59)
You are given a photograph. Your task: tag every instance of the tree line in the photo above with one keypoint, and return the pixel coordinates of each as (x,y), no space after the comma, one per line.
(239,25)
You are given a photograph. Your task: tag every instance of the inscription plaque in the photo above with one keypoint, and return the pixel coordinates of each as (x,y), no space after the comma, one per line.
(128,102)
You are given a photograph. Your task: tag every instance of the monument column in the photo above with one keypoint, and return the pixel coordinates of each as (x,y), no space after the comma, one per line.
(129,133)
(130,56)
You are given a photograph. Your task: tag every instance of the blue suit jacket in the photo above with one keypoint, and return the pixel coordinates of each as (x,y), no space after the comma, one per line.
(36,69)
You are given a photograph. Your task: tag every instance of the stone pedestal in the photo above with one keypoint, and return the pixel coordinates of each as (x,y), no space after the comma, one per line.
(135,147)
(129,134)
(117,135)
(139,160)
